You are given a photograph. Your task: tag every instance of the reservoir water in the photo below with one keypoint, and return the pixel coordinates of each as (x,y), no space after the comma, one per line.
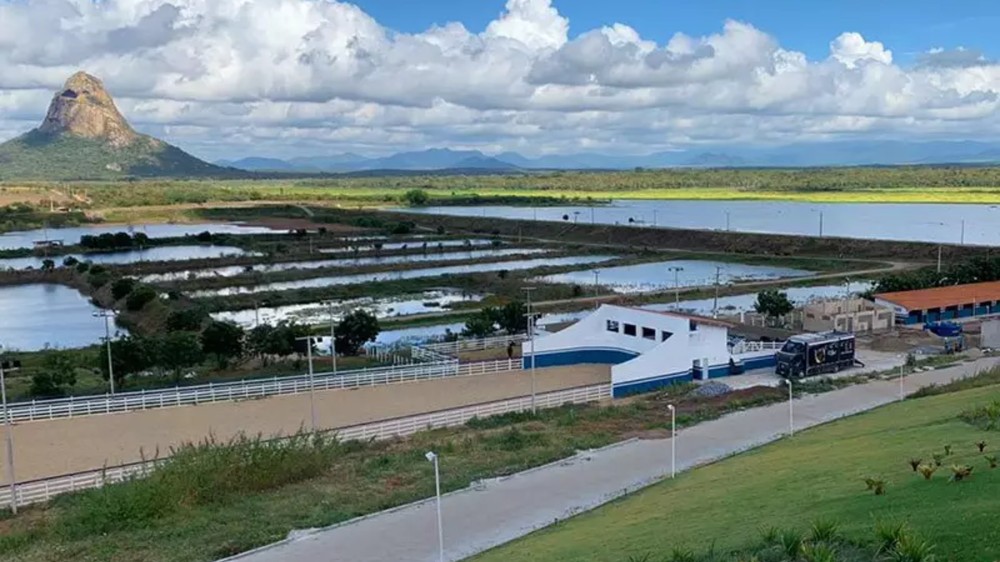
(46,315)
(926,222)
(71,235)
(157,253)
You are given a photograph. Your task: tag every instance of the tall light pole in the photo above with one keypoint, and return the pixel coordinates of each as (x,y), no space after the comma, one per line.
(10,441)
(727,221)
(312,390)
(791,416)
(715,303)
(597,285)
(333,338)
(677,284)
(108,315)
(902,395)
(962,239)
(431,456)
(673,440)
(654,217)
(531,339)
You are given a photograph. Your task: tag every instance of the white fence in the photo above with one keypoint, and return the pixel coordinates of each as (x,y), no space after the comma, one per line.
(453,348)
(756,346)
(43,490)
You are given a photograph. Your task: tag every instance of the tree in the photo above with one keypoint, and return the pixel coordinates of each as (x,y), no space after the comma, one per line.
(354,330)
(140,239)
(129,355)
(773,303)
(416,198)
(122,287)
(70,261)
(186,320)
(180,350)
(224,340)
(511,317)
(48,265)
(279,340)
(83,266)
(58,372)
(480,325)
(139,297)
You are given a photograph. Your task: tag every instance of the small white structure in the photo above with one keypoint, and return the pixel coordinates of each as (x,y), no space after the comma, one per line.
(648,349)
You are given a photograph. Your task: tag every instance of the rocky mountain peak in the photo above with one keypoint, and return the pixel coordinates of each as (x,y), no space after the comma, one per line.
(83,108)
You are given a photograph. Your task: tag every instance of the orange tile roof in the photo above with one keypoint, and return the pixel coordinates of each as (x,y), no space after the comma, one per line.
(942,297)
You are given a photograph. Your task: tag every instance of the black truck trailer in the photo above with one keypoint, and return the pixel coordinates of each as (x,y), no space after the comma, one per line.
(808,355)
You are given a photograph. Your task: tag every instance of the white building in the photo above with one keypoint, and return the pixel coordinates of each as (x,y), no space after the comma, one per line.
(647,349)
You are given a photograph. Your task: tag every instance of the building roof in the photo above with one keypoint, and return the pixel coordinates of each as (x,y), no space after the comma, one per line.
(942,297)
(694,317)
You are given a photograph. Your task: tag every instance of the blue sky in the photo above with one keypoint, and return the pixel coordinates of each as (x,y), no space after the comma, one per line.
(905,26)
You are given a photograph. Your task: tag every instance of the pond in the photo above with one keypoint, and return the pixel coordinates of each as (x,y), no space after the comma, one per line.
(660,275)
(342,262)
(46,315)
(313,313)
(413,245)
(926,222)
(71,235)
(419,334)
(405,274)
(157,253)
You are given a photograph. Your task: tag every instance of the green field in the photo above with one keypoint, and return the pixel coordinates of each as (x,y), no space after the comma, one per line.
(817,475)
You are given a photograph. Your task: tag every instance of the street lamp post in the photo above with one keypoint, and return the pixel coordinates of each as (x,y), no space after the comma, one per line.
(531,339)
(677,284)
(107,315)
(333,339)
(902,394)
(432,457)
(962,239)
(673,440)
(597,285)
(10,442)
(791,415)
(312,389)
(727,221)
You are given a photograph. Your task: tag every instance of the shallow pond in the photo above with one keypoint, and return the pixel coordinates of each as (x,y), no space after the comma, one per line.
(341,262)
(927,222)
(659,275)
(46,315)
(412,245)
(405,274)
(312,313)
(71,235)
(158,253)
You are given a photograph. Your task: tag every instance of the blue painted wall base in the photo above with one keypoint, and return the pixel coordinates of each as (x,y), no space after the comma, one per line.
(579,357)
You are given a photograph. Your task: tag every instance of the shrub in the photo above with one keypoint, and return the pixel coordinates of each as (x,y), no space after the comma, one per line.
(992,460)
(98,280)
(122,287)
(915,463)
(140,297)
(770,535)
(514,439)
(984,417)
(416,198)
(70,261)
(819,552)
(981,445)
(888,534)
(187,320)
(927,471)
(876,485)
(824,531)
(912,549)
(947,450)
(83,266)
(960,472)
(791,543)
(938,458)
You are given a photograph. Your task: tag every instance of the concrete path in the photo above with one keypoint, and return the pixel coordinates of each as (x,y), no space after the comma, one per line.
(496,512)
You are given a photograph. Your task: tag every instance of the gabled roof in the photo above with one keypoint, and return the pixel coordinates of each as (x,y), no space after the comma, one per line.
(942,297)
(693,317)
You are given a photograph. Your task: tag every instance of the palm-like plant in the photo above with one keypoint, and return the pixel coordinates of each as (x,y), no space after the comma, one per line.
(927,471)
(960,472)
(992,459)
(876,485)
(914,463)
(981,445)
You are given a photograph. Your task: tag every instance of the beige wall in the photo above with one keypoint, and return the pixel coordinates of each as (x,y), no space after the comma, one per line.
(55,447)
(856,315)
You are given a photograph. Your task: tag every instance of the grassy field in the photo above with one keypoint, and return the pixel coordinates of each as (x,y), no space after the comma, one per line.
(790,484)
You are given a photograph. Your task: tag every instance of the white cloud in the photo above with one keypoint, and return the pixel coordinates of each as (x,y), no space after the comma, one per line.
(230,77)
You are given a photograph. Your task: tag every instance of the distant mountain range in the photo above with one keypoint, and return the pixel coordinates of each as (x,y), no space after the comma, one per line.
(840,153)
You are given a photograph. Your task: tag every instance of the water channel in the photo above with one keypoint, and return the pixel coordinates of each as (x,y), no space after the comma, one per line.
(157,253)
(926,222)
(71,235)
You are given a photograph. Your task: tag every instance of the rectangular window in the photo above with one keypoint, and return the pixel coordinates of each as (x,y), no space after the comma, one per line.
(629,329)
(649,333)
(693,326)
(613,326)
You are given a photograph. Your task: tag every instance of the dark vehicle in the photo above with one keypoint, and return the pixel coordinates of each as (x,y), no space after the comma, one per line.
(808,355)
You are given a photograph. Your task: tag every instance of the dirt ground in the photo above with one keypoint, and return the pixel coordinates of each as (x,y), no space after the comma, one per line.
(55,447)
(33,196)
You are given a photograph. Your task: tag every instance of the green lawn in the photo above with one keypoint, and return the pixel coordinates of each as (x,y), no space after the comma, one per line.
(790,484)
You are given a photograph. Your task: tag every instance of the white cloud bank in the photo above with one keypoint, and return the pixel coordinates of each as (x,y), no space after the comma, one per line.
(283,77)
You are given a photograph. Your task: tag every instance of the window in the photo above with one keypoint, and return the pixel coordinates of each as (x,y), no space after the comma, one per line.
(613,326)
(693,325)
(664,336)
(629,329)
(648,333)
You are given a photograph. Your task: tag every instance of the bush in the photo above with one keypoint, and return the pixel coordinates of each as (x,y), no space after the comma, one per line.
(416,198)
(98,280)
(876,485)
(83,266)
(991,460)
(187,320)
(985,417)
(927,471)
(915,464)
(960,472)
(122,287)
(824,531)
(140,297)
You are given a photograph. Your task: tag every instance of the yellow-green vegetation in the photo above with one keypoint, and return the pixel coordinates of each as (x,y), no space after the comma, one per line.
(820,474)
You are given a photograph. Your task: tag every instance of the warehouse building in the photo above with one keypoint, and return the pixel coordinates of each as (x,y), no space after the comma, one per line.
(649,349)
(943,303)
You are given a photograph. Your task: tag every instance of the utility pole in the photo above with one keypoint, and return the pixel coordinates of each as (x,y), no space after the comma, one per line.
(107,315)
(939,259)
(727,221)
(333,339)
(10,440)
(531,339)
(654,217)
(677,284)
(715,303)
(962,239)
(821,224)
(597,285)
(312,389)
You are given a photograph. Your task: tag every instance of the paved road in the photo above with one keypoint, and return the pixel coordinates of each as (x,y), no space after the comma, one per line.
(485,516)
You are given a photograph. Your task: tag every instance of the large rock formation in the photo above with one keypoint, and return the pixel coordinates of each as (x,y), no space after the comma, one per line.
(84,136)
(85,109)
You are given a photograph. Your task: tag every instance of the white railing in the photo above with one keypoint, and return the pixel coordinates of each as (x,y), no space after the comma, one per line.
(43,490)
(486,367)
(453,348)
(756,346)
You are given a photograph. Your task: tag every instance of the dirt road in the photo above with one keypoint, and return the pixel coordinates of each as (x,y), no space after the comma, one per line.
(55,447)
